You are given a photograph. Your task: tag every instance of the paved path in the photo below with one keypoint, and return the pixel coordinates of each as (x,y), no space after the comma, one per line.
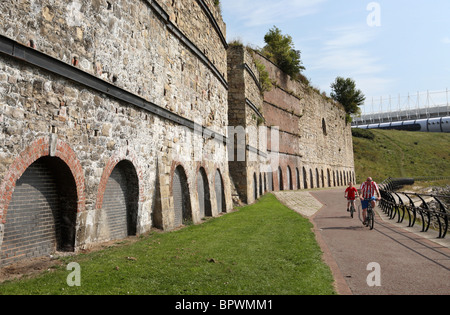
(409,263)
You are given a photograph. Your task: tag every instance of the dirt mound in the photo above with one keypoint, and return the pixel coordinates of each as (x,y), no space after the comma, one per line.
(28,268)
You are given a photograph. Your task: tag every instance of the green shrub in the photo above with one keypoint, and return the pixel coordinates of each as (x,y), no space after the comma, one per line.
(264,79)
(280,50)
(363,133)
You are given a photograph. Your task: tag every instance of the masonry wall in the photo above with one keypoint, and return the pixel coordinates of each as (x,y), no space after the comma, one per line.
(114,113)
(245,101)
(308,144)
(96,84)
(314,137)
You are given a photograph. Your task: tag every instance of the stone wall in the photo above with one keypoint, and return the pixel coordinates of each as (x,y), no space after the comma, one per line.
(314,136)
(96,84)
(304,143)
(117,117)
(245,102)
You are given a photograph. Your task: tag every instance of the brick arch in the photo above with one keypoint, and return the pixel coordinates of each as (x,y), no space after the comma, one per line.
(290,182)
(280,179)
(182,197)
(36,150)
(119,156)
(203,193)
(199,166)
(174,166)
(219,180)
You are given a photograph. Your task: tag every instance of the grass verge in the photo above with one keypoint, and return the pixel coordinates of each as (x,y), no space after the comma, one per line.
(390,153)
(263,249)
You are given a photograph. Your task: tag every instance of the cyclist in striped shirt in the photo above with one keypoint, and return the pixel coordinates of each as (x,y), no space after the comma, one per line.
(367,193)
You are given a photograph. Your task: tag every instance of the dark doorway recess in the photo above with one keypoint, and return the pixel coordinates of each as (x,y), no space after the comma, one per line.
(181,198)
(42,214)
(204,197)
(121,201)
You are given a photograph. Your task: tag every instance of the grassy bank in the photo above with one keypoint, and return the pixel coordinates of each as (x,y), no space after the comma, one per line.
(261,249)
(390,153)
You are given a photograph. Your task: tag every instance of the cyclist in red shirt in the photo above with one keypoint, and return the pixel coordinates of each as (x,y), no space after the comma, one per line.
(351,193)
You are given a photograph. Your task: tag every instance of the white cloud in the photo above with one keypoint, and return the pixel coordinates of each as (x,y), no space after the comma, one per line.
(446,40)
(348,37)
(346,52)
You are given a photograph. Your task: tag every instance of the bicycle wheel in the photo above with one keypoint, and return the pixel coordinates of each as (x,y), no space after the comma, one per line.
(371,219)
(352,211)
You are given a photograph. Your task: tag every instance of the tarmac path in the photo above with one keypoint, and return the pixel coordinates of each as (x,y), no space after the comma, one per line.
(386,261)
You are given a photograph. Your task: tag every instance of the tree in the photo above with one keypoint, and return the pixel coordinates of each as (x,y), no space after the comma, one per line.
(344,91)
(280,50)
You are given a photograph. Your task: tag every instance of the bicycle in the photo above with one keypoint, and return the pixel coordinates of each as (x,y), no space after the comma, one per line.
(370,219)
(352,210)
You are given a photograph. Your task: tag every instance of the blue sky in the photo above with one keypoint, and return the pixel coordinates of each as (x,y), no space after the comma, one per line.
(403,48)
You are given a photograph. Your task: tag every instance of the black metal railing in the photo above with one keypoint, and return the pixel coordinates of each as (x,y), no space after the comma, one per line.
(430,210)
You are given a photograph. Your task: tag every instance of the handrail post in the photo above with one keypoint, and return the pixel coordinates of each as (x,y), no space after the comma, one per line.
(425,226)
(444,215)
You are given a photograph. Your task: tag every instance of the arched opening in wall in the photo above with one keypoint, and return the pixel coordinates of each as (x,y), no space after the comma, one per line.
(181,197)
(342,180)
(204,196)
(280,179)
(270,180)
(220,192)
(334,179)
(305,178)
(260,185)
(329,177)
(121,201)
(297,176)
(42,213)
(157,215)
(289,179)
(317,179)
(265,182)
(324,127)
(323,178)
(311,178)
(337,179)
(255,187)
